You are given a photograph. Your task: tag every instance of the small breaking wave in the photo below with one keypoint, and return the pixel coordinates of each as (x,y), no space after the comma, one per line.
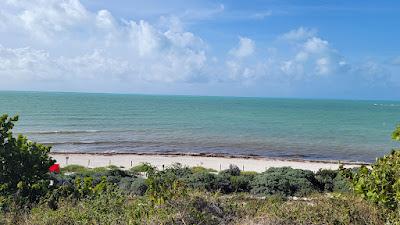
(115,143)
(64,132)
(387,105)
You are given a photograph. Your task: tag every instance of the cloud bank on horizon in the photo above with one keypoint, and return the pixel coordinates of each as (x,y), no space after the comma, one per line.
(70,45)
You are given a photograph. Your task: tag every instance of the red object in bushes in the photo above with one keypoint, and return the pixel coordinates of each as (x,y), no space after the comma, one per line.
(55,168)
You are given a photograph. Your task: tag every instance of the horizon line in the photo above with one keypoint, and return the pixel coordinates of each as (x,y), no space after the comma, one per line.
(194,95)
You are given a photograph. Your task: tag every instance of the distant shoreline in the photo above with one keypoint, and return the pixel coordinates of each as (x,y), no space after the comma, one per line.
(207,160)
(199,95)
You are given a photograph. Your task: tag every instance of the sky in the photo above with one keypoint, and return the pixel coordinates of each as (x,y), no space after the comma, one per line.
(270,48)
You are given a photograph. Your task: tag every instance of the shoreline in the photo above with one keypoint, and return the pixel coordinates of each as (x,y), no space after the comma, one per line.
(208,160)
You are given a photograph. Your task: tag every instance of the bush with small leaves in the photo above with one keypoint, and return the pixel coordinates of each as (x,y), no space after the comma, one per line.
(223,183)
(133,186)
(396,133)
(202,181)
(381,183)
(285,181)
(74,169)
(142,168)
(167,184)
(232,171)
(241,183)
(200,169)
(326,178)
(24,165)
(332,180)
(178,171)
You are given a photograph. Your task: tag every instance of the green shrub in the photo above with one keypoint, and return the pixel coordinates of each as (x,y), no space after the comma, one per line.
(229,180)
(241,183)
(177,170)
(396,133)
(285,181)
(201,180)
(200,169)
(332,180)
(142,168)
(139,187)
(97,170)
(74,169)
(112,174)
(326,179)
(342,184)
(232,171)
(133,186)
(24,165)
(81,188)
(252,173)
(167,184)
(223,183)
(381,184)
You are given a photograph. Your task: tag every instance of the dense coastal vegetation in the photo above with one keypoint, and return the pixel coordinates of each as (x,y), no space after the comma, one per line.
(30,194)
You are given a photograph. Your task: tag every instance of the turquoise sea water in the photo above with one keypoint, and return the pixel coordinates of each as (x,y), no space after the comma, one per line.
(297,128)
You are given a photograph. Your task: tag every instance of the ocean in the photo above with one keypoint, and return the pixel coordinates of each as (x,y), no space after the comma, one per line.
(311,129)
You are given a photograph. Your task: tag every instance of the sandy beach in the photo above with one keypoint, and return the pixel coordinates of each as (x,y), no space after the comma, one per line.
(258,164)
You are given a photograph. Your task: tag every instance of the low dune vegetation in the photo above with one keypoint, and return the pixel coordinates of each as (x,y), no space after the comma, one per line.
(30,194)
(181,195)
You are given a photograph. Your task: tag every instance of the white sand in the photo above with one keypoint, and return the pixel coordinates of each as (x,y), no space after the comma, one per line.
(217,163)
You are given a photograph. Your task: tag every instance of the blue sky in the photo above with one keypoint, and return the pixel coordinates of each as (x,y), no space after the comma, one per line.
(311,49)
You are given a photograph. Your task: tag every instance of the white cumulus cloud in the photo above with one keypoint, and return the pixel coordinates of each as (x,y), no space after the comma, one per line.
(62,40)
(300,33)
(65,40)
(245,48)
